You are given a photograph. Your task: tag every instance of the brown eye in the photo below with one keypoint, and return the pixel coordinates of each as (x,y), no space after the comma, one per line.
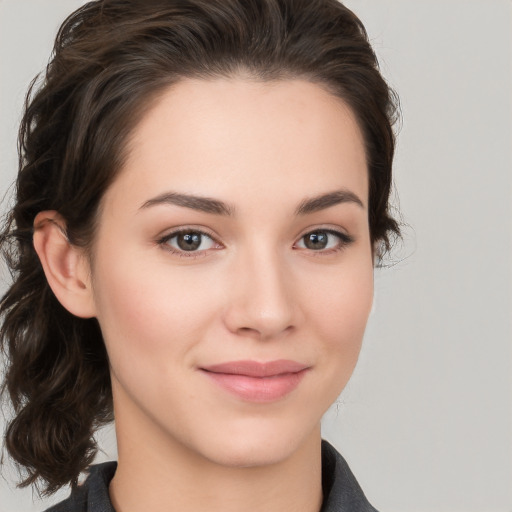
(324,240)
(189,241)
(317,240)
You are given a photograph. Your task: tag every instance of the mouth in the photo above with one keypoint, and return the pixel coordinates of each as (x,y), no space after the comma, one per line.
(253,381)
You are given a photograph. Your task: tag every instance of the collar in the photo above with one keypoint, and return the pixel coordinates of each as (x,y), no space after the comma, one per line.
(341,491)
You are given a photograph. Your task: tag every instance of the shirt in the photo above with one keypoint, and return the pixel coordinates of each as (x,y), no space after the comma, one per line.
(341,491)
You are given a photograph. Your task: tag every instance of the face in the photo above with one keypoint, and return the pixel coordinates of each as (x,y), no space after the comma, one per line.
(233,274)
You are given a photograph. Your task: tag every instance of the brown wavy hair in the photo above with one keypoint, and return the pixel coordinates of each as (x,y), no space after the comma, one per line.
(110,61)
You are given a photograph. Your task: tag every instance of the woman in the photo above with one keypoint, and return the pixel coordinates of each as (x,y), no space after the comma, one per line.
(202,197)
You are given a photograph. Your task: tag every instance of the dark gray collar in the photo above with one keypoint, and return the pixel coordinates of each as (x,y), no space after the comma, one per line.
(341,490)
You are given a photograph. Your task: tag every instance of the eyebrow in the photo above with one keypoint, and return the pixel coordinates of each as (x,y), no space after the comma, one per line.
(203,204)
(325,201)
(216,207)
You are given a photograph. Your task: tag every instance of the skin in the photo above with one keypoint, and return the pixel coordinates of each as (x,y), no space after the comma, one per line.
(254,291)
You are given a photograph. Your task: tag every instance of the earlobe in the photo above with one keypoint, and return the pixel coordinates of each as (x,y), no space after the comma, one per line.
(65,265)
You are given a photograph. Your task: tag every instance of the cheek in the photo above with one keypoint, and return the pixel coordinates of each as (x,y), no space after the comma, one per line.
(339,307)
(147,312)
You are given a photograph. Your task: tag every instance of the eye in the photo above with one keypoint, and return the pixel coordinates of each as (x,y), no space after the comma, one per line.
(188,241)
(324,240)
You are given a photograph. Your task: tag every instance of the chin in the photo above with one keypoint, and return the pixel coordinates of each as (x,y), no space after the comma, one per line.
(257,447)
(250,456)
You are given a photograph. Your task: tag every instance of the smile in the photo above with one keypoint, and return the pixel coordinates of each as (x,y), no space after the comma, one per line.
(257,382)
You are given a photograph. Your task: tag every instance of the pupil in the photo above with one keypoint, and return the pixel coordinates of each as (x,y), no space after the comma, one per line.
(189,241)
(316,240)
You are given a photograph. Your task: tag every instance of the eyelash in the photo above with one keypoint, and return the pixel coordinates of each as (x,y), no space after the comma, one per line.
(164,242)
(344,241)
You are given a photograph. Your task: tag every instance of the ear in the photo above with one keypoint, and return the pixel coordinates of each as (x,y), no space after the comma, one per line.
(65,265)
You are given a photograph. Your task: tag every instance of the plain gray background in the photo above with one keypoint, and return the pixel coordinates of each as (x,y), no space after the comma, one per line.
(426,421)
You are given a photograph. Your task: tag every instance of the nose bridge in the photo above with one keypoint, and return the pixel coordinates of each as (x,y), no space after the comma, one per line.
(262,301)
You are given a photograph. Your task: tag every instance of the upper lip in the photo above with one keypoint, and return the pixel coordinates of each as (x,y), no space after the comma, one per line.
(256,368)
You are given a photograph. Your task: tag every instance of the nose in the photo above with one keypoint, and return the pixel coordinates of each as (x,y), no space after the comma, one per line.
(262,301)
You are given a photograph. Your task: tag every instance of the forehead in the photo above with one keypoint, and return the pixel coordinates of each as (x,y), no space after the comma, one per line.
(225,137)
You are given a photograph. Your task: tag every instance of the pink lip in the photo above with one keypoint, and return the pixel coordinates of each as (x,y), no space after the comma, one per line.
(257,382)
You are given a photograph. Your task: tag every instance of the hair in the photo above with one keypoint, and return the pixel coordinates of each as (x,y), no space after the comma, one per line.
(110,62)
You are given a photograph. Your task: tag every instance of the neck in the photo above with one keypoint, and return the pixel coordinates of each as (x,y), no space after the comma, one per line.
(158,473)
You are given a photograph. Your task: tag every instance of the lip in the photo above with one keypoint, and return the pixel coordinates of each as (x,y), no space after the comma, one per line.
(254,381)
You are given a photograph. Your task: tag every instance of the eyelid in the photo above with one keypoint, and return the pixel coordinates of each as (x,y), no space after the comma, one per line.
(344,238)
(163,239)
(170,232)
(329,228)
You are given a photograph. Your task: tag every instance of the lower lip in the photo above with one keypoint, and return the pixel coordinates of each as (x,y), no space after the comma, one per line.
(258,389)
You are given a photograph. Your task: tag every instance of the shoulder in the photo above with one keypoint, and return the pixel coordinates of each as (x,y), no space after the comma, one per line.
(92,495)
(341,490)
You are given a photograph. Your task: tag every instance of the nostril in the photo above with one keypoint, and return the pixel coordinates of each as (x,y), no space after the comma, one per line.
(265,332)
(249,331)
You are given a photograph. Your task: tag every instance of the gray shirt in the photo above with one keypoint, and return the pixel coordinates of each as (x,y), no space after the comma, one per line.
(340,488)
